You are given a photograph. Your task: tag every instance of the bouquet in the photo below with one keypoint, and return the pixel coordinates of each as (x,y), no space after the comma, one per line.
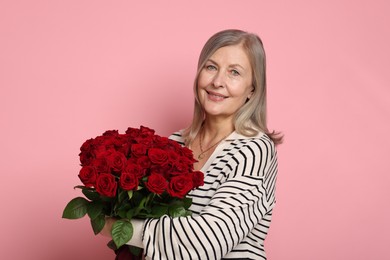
(134,175)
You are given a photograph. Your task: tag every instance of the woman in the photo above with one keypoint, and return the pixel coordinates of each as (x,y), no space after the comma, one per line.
(229,137)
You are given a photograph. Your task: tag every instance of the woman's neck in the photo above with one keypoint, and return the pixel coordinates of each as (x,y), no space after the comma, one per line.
(216,129)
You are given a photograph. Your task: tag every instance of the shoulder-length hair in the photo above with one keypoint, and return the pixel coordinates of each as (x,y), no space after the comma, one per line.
(251,118)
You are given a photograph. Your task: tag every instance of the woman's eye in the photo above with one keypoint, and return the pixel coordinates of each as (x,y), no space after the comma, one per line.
(211,67)
(235,73)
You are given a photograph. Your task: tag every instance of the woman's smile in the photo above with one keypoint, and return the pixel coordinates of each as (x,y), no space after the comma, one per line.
(213,96)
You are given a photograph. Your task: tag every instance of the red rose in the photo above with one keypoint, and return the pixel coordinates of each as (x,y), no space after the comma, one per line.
(156,183)
(106,185)
(138,150)
(122,145)
(124,149)
(145,140)
(132,132)
(108,143)
(188,154)
(180,167)
(128,181)
(101,149)
(160,142)
(174,146)
(180,185)
(117,141)
(86,158)
(158,170)
(197,179)
(183,164)
(86,149)
(99,140)
(116,161)
(146,131)
(165,171)
(87,145)
(111,133)
(158,156)
(175,173)
(100,164)
(88,176)
(144,162)
(134,168)
(173,157)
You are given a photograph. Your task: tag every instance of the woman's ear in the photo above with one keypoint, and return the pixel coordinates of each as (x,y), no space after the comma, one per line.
(251,93)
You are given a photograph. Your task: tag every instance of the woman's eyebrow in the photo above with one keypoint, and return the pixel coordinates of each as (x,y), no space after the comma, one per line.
(231,65)
(212,61)
(237,65)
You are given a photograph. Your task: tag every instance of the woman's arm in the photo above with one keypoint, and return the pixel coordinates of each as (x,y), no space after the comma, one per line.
(239,203)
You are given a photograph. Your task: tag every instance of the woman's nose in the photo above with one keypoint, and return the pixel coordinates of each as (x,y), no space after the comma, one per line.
(219,79)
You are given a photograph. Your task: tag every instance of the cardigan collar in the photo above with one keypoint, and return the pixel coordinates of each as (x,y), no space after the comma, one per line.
(236,136)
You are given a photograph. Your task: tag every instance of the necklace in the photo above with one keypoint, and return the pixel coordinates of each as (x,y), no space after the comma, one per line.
(202,152)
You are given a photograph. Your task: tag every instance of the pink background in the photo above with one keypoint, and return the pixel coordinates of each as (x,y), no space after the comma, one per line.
(71,69)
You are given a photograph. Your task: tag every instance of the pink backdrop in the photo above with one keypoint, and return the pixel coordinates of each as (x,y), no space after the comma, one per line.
(72,69)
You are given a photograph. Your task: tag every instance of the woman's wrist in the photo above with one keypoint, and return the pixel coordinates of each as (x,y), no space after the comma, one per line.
(106,231)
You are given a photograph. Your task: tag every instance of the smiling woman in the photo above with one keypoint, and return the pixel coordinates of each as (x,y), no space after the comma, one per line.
(232,211)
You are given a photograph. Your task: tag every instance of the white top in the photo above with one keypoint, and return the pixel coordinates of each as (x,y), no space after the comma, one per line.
(231,212)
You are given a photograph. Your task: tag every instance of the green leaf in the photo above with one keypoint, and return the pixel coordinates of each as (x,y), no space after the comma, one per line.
(80,187)
(130,213)
(94,209)
(76,208)
(188,213)
(98,223)
(141,206)
(91,194)
(112,245)
(122,196)
(121,232)
(130,194)
(177,211)
(187,202)
(122,211)
(121,214)
(158,211)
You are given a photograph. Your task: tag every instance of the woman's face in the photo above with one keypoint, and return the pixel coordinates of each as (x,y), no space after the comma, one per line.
(225,82)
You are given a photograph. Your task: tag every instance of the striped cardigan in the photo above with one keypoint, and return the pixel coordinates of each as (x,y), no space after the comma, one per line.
(231,212)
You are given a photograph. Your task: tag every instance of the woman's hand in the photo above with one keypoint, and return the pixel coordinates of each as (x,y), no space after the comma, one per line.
(106,231)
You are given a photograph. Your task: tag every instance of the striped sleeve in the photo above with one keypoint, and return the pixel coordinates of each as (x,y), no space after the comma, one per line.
(242,184)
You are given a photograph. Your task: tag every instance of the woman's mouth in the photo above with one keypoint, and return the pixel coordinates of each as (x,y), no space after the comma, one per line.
(215,96)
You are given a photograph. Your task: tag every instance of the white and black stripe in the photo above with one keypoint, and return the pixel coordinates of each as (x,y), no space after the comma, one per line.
(231,212)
